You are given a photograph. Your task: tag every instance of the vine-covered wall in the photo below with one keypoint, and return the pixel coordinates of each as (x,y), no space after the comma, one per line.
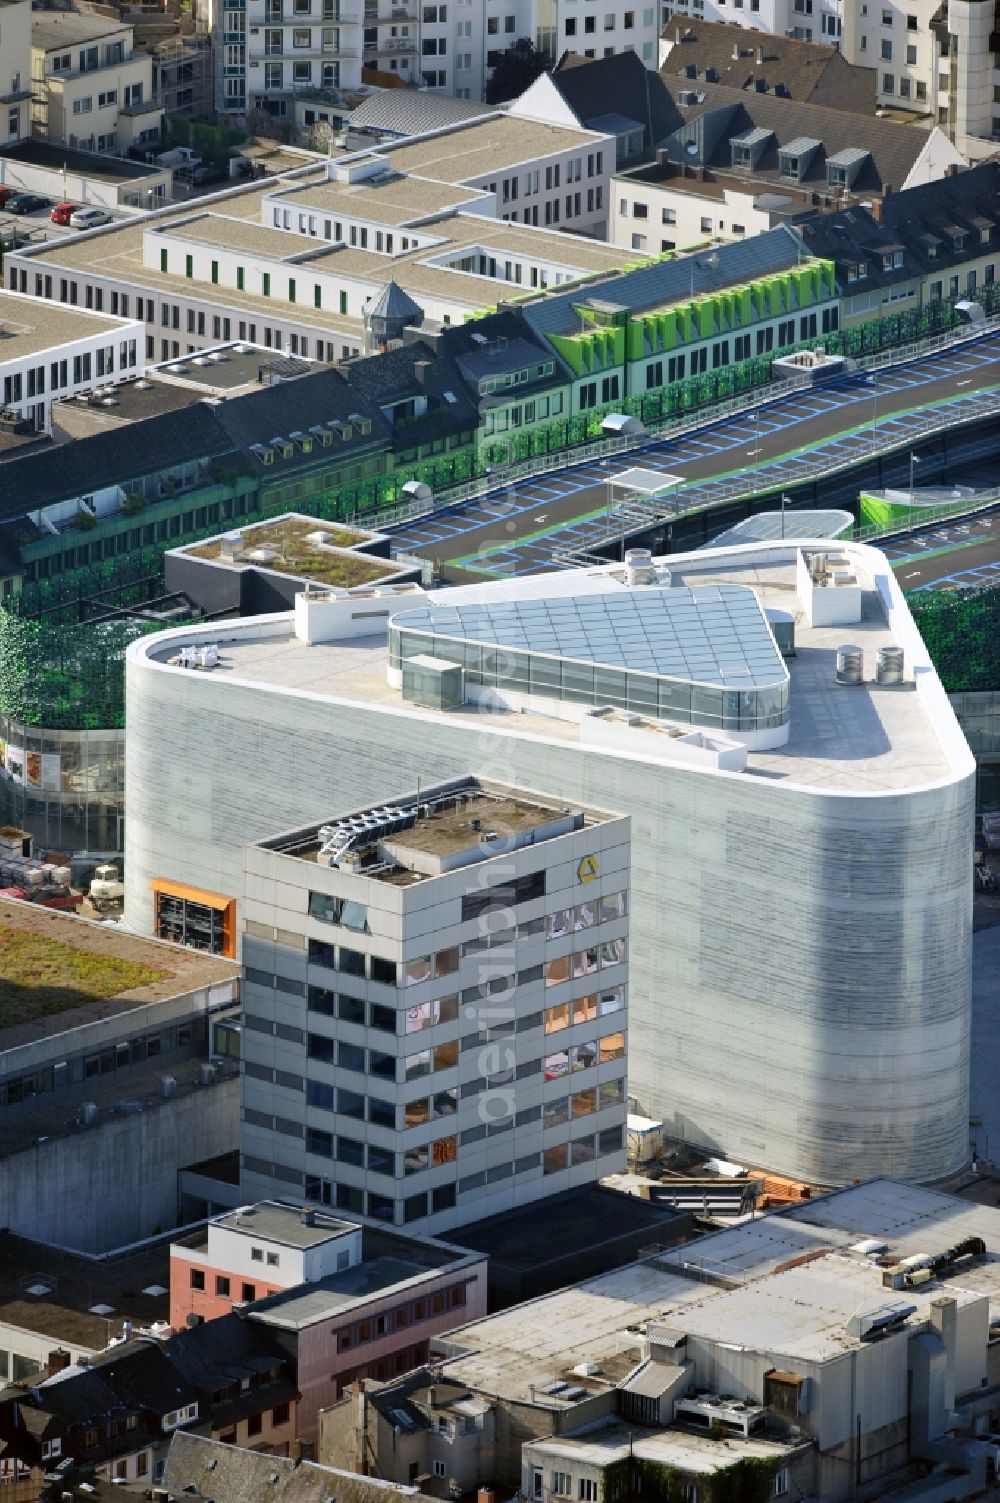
(637,1479)
(961,629)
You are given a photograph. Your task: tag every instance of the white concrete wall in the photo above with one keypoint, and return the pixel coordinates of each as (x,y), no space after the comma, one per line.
(690,215)
(806,1010)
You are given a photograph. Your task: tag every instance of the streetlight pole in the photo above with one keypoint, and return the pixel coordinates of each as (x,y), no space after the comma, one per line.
(874,380)
(913,460)
(784,502)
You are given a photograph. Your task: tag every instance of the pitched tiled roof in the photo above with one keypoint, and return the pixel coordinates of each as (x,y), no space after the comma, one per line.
(719,113)
(924,223)
(111,458)
(201,1468)
(810,72)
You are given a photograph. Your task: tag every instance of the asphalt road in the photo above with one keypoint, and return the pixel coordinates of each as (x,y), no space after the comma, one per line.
(517,531)
(953,555)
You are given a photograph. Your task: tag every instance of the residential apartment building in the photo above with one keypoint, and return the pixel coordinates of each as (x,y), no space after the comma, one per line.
(117,1412)
(454,47)
(92,89)
(16,79)
(807,72)
(347,1302)
(938,241)
(253,1252)
(743,161)
(804,20)
(427,996)
(911,775)
(939,61)
(283,57)
(375,1320)
(927,59)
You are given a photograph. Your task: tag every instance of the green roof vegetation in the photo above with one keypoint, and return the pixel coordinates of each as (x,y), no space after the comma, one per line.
(40,975)
(296,555)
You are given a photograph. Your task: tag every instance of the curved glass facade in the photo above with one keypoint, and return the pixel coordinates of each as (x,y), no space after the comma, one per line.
(66,787)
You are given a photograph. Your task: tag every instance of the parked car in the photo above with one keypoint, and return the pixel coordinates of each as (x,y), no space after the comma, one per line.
(25,203)
(86,219)
(6,194)
(62,213)
(206,173)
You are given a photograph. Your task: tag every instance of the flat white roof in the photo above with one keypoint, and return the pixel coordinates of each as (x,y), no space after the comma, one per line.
(858,740)
(683,1449)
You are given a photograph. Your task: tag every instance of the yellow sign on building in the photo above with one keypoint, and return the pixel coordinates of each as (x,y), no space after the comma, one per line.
(588,869)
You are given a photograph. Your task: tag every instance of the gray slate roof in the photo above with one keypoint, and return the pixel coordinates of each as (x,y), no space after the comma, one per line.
(201,1468)
(595,88)
(720,113)
(393,302)
(667,282)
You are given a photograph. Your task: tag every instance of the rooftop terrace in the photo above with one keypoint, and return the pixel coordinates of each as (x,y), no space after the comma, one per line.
(327,562)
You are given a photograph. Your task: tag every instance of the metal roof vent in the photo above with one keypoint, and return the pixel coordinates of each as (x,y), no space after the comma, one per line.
(889,665)
(850,665)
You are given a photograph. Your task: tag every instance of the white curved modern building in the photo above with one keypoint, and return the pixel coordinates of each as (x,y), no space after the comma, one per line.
(801,896)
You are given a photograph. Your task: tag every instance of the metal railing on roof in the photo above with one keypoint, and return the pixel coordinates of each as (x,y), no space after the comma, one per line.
(672,425)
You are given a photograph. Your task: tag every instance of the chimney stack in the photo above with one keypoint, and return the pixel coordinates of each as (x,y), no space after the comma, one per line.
(308,1216)
(59,1359)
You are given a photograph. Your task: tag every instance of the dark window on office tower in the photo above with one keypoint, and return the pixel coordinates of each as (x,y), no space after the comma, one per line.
(504,895)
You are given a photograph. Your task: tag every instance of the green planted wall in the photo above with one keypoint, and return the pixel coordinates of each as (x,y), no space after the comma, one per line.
(961,630)
(65,677)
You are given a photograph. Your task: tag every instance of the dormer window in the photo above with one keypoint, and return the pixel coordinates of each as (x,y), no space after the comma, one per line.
(857,271)
(844,167)
(958,242)
(984,234)
(795,156)
(892,259)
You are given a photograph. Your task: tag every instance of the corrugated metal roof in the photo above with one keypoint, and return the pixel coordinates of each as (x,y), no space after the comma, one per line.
(848,156)
(755,136)
(800,145)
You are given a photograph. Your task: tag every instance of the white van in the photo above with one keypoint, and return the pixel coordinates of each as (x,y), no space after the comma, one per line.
(86,219)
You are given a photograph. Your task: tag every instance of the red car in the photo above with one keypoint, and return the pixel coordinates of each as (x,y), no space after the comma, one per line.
(6,193)
(60,214)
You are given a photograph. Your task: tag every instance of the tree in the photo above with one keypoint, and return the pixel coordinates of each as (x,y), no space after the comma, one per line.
(516,69)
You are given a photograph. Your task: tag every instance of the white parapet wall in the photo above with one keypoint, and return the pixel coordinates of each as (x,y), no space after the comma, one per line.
(828,587)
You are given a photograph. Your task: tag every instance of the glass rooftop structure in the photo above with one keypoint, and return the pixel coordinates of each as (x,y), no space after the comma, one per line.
(703,655)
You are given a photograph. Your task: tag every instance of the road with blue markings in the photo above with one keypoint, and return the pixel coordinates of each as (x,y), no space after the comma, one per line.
(527,527)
